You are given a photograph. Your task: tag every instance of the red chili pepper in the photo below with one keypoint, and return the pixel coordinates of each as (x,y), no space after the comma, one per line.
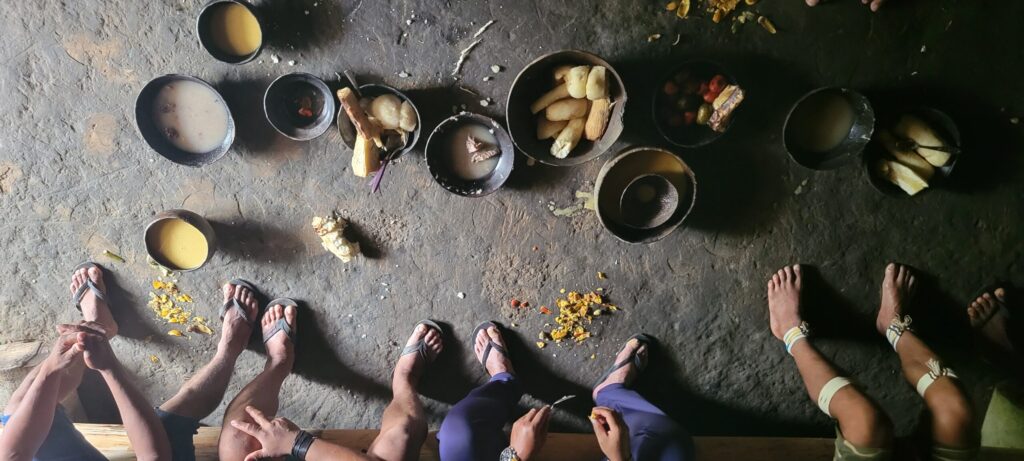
(710,96)
(544,310)
(515,302)
(717,83)
(689,117)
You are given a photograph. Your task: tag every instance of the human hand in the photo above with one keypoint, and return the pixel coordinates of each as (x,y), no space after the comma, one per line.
(82,327)
(530,432)
(612,433)
(64,352)
(98,354)
(277,437)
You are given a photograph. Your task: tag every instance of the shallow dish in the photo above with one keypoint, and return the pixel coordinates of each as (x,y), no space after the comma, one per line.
(156,140)
(370,90)
(693,135)
(439,154)
(619,171)
(648,201)
(536,79)
(942,124)
(291,94)
(849,148)
(203,31)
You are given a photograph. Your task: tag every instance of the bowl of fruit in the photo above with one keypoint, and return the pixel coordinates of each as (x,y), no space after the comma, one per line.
(695,104)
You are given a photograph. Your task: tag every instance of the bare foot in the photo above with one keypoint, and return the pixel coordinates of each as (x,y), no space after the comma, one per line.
(410,366)
(990,322)
(280,350)
(235,331)
(897,287)
(784,300)
(93,308)
(496,361)
(626,374)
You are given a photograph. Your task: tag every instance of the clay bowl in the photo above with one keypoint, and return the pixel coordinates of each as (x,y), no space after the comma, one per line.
(648,201)
(203,30)
(536,79)
(156,140)
(283,100)
(849,148)
(370,90)
(664,108)
(189,217)
(625,167)
(943,125)
(439,158)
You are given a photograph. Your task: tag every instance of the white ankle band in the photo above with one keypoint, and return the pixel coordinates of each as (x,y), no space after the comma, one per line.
(935,371)
(896,329)
(829,390)
(795,334)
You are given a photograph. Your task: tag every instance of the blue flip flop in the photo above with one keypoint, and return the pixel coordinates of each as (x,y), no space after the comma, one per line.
(490,342)
(420,347)
(88,285)
(633,358)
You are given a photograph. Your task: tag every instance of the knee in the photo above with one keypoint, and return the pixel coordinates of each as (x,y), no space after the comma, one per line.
(235,445)
(953,420)
(864,425)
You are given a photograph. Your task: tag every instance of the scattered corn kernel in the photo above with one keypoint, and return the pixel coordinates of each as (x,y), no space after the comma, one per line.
(541,344)
(176,333)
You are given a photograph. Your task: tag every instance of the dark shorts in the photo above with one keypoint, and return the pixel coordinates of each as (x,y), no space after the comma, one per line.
(65,443)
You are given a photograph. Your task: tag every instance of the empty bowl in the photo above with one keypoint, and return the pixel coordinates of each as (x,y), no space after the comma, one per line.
(625,168)
(449,160)
(184,119)
(648,201)
(230,30)
(536,79)
(828,128)
(679,93)
(299,106)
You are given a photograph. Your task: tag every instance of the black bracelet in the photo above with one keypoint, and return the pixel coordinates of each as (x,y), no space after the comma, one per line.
(302,443)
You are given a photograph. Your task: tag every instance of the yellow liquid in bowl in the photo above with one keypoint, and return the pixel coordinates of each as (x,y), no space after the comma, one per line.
(235,30)
(177,244)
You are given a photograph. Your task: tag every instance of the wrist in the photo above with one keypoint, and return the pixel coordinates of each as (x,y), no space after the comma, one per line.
(112,372)
(302,441)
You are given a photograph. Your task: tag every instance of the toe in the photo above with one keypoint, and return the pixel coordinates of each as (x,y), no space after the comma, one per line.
(228,291)
(495,335)
(812,2)
(289,316)
(95,274)
(777,279)
(1000,294)
(788,274)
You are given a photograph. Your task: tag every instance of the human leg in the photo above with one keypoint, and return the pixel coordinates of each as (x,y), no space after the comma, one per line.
(202,393)
(262,392)
(953,424)
(474,427)
(403,427)
(862,424)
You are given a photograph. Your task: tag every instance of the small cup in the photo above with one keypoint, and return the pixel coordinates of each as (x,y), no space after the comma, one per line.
(207,36)
(293,93)
(190,218)
(648,201)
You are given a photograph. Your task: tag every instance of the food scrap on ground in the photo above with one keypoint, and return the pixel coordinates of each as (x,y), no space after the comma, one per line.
(721,9)
(584,201)
(166,301)
(575,312)
(112,255)
(331,230)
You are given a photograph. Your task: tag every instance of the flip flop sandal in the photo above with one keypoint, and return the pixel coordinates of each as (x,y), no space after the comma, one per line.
(420,347)
(233,303)
(1003,308)
(282,324)
(88,285)
(490,342)
(633,358)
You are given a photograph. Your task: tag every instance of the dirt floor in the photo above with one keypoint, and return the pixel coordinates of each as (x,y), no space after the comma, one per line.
(76,178)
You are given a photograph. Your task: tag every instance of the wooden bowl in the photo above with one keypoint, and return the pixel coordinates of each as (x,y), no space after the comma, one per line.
(536,79)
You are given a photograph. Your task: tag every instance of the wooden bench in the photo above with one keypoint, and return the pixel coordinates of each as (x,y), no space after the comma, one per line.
(113,442)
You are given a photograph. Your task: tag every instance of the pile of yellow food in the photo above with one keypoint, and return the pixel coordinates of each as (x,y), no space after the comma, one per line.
(578,106)
(331,230)
(911,170)
(575,312)
(166,299)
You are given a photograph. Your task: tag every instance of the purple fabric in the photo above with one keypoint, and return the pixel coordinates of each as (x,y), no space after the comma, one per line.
(653,435)
(474,429)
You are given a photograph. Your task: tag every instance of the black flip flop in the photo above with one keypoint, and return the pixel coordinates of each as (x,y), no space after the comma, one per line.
(282,324)
(633,358)
(233,303)
(88,285)
(490,342)
(420,347)
(991,289)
